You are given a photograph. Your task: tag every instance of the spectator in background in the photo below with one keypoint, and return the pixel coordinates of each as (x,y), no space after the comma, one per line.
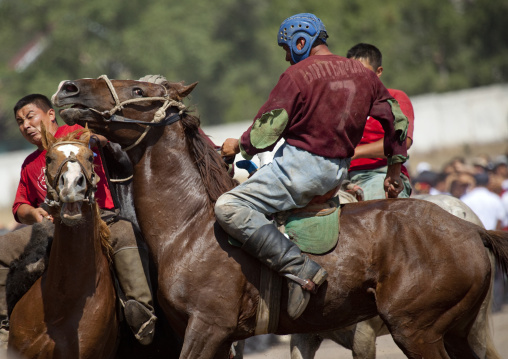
(460,183)
(500,170)
(456,165)
(486,204)
(441,185)
(481,164)
(424,182)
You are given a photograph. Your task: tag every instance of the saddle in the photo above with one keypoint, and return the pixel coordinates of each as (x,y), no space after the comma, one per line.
(315,227)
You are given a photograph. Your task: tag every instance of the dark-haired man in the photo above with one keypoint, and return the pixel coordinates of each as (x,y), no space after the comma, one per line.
(369,164)
(31,112)
(319,106)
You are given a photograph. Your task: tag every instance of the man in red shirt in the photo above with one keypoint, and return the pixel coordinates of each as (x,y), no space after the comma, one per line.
(319,106)
(369,164)
(28,208)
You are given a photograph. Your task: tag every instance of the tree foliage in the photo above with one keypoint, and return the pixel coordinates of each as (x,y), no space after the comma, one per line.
(230,47)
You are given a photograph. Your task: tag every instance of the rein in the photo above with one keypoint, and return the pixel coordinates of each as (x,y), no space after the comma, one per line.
(159,118)
(52,196)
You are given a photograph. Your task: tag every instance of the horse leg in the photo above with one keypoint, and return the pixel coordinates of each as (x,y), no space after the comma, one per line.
(204,340)
(364,343)
(237,349)
(224,351)
(457,345)
(305,346)
(437,335)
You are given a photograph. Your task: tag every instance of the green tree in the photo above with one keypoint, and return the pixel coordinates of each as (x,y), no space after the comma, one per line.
(230,46)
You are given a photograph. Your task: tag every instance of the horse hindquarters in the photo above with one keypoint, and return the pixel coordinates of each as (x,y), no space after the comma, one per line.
(425,293)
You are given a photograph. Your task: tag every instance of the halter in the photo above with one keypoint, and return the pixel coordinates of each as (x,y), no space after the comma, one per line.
(52,196)
(159,118)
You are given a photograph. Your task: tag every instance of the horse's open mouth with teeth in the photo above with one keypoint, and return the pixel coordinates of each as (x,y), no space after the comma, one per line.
(71,213)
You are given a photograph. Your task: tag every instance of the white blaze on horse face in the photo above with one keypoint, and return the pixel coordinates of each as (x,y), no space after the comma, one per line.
(72,186)
(71,189)
(68,149)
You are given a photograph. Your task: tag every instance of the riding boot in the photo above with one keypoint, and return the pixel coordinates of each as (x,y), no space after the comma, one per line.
(276,251)
(4,321)
(139,312)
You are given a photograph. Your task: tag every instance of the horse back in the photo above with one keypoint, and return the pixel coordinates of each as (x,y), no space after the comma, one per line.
(391,252)
(409,231)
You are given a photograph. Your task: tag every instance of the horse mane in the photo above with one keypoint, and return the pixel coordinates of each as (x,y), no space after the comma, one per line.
(211,167)
(83,136)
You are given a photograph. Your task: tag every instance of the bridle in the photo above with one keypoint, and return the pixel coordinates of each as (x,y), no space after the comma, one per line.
(159,118)
(52,196)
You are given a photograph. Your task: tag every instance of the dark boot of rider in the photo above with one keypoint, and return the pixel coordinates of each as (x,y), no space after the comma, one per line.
(134,282)
(276,251)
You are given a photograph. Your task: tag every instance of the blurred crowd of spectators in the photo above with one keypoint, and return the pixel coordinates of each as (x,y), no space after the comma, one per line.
(462,178)
(458,175)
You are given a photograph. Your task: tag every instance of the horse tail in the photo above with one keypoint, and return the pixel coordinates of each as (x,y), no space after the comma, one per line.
(497,242)
(480,337)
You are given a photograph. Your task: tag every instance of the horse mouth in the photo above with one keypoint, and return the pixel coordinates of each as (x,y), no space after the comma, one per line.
(71,213)
(72,115)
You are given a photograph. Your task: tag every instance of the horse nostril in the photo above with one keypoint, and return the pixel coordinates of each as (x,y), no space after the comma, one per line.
(70,88)
(81,181)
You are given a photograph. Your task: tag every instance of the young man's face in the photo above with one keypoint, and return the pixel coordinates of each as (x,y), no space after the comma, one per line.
(29,119)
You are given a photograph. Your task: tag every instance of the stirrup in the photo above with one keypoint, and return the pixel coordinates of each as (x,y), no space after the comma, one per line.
(300,290)
(308,284)
(141,321)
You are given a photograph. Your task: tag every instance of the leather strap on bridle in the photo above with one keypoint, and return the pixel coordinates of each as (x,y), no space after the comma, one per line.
(52,197)
(159,118)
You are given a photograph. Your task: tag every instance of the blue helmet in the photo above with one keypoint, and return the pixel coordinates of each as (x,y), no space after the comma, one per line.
(305,25)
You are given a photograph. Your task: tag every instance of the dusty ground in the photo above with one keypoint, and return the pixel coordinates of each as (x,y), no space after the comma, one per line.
(386,348)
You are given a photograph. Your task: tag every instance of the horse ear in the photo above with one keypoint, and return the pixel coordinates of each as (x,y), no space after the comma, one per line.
(178,91)
(47,138)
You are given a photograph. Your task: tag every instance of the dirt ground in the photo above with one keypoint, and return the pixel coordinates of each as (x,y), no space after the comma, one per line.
(386,348)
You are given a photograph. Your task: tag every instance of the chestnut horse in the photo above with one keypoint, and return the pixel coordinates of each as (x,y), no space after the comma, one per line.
(424,271)
(361,337)
(70,312)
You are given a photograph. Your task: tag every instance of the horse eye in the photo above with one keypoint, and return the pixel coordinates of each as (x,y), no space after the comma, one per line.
(48,160)
(90,159)
(138,92)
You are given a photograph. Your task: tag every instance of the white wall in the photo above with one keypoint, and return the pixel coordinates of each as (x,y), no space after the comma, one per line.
(474,116)
(10,167)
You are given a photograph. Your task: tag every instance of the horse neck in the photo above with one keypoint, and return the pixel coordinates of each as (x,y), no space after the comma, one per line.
(165,173)
(172,206)
(77,261)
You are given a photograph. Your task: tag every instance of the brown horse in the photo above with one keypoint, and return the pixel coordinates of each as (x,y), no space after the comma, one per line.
(361,337)
(422,270)
(70,312)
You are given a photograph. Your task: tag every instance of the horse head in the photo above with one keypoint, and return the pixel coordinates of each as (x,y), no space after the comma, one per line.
(124,110)
(69,174)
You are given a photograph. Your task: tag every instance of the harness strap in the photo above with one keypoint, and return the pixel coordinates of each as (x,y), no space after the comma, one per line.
(268,310)
(52,197)
(159,118)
